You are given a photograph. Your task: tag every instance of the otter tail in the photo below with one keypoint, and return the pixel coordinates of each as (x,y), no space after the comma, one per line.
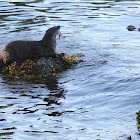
(1,63)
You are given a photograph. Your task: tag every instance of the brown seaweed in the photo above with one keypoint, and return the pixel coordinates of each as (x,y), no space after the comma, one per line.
(41,68)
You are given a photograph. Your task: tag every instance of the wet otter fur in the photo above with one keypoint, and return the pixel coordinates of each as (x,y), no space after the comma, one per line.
(21,50)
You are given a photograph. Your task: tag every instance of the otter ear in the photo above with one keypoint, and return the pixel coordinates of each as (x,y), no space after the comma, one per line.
(47,32)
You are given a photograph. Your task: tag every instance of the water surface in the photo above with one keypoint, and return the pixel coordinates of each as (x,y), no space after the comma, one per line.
(97,99)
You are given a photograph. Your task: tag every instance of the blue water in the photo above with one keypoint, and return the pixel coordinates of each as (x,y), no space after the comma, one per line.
(99,98)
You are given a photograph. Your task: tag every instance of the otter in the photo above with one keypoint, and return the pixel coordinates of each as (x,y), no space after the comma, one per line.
(21,50)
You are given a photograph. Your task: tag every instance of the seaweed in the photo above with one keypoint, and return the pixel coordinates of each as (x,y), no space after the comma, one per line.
(138,120)
(41,68)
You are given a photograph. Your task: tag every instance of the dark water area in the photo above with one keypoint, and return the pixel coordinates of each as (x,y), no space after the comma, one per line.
(99,98)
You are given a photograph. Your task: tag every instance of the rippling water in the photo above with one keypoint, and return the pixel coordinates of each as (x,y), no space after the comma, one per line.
(96,100)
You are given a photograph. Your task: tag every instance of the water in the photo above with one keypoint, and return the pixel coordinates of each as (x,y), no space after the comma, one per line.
(98,99)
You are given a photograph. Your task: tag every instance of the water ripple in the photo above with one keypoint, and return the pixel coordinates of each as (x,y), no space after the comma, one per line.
(93,100)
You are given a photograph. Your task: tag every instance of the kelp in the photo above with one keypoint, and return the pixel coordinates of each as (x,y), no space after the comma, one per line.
(41,68)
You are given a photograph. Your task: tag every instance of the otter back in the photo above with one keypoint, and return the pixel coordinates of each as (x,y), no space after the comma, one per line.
(22,50)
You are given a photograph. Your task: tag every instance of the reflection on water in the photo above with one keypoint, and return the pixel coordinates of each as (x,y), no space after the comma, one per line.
(26,98)
(96,100)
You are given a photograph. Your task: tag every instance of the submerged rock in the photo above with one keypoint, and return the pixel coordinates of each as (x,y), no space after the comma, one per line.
(42,67)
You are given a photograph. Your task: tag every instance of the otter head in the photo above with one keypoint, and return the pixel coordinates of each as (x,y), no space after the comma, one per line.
(52,32)
(49,39)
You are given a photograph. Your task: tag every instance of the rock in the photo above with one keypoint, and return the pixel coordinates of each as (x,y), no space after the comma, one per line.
(41,68)
(138,120)
(139,29)
(131,28)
